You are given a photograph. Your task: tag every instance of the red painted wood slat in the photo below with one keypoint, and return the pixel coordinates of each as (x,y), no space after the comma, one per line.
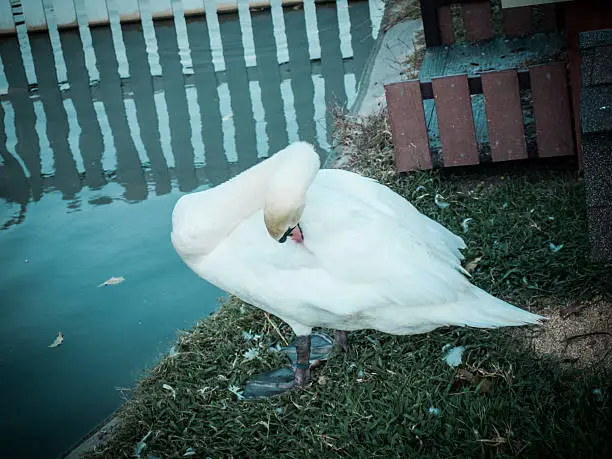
(408,127)
(518,21)
(504,115)
(445,21)
(477,20)
(455,120)
(551,110)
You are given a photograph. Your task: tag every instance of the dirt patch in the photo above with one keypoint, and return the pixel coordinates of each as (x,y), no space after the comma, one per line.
(579,334)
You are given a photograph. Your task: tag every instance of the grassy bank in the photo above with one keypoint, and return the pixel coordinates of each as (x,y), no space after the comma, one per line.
(392,395)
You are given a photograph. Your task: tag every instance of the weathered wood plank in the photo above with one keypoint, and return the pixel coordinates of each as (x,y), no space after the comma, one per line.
(504,115)
(477,20)
(431,26)
(549,18)
(518,21)
(445,19)
(455,120)
(408,127)
(551,110)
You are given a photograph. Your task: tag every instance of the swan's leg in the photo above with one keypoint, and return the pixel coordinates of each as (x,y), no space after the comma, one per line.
(302,369)
(341,339)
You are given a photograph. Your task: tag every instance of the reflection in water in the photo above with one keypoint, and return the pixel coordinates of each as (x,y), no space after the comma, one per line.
(93,168)
(157,127)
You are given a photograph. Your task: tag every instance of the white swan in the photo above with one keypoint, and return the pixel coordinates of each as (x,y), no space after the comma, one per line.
(355,255)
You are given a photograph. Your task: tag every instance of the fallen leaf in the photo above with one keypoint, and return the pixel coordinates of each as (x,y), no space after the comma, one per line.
(189,452)
(227,117)
(439,201)
(464,224)
(453,356)
(554,248)
(574,308)
(472,265)
(58,340)
(112,281)
(433,410)
(484,386)
(171,389)
(236,391)
(464,375)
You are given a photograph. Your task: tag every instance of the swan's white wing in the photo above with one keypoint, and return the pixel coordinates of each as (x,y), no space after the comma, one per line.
(363,232)
(368,261)
(409,267)
(381,198)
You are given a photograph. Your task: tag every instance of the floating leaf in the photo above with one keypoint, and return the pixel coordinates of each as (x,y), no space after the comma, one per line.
(464,224)
(112,281)
(439,201)
(58,340)
(554,248)
(453,356)
(171,389)
(472,265)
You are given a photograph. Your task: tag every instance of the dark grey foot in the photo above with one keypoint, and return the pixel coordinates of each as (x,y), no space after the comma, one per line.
(341,340)
(306,352)
(270,384)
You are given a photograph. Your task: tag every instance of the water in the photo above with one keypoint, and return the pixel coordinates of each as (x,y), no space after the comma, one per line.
(88,179)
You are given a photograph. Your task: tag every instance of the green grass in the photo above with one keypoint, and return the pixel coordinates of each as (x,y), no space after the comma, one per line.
(376,400)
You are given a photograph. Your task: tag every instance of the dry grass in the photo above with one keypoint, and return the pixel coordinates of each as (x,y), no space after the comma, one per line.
(398,10)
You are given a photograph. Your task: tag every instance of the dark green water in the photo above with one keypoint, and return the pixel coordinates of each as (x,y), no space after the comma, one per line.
(88,180)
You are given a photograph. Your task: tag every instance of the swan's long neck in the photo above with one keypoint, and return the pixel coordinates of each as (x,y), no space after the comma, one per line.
(202,220)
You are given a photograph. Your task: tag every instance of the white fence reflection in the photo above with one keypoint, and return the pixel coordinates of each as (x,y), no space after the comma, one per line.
(191,101)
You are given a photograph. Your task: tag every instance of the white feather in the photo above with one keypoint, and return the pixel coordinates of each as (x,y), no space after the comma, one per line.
(369,259)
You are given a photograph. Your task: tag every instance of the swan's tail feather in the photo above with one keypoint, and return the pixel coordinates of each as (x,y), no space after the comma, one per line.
(490,312)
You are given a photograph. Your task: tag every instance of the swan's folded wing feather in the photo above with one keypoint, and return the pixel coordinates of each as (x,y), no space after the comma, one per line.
(357,244)
(379,197)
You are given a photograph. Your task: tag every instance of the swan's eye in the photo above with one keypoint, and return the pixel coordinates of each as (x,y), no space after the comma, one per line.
(286,235)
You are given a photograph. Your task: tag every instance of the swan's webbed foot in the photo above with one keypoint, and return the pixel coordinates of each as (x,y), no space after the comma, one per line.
(305,353)
(341,340)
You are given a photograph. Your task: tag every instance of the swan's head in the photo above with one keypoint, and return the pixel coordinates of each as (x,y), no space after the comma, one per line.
(286,196)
